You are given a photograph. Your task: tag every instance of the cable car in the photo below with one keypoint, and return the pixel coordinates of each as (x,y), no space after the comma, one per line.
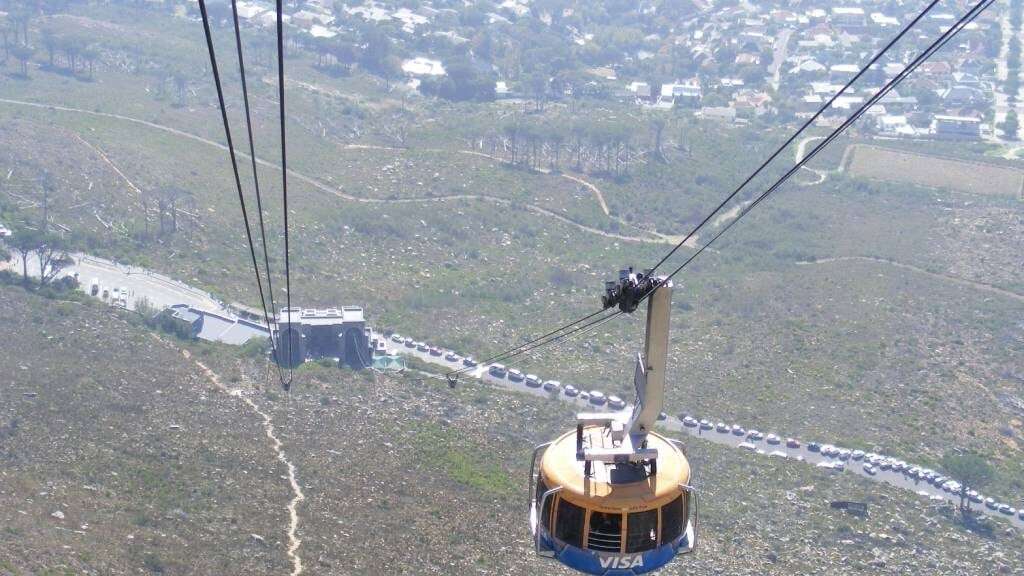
(614,498)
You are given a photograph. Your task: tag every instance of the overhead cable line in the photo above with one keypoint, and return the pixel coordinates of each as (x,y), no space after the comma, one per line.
(234,169)
(506,353)
(935,46)
(511,352)
(252,156)
(284,185)
(540,342)
(863,70)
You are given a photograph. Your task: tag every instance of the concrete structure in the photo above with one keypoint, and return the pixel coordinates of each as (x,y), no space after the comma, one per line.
(313,334)
(957,127)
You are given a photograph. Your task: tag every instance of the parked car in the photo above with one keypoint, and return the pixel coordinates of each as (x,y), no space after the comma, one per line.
(738,430)
(497,370)
(436,351)
(410,343)
(451,357)
(584,395)
(813,447)
(662,416)
(705,425)
(990,503)
(746,446)
(843,454)
(722,427)
(792,443)
(869,469)
(755,436)
(469,362)
(773,439)
(690,422)
(552,385)
(616,403)
(1020,513)
(422,347)
(597,398)
(857,455)
(94,287)
(397,338)
(533,381)
(570,390)
(515,375)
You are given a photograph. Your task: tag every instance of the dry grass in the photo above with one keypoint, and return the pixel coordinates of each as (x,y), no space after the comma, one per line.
(890,165)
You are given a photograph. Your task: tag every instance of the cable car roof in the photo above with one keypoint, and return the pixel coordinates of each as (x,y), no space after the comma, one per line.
(614,486)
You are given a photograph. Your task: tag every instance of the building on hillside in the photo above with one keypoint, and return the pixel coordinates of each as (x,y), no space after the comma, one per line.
(315,334)
(956,127)
(180,319)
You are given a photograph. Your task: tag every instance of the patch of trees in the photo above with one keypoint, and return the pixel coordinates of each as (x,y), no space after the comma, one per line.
(464,81)
(608,146)
(47,249)
(70,51)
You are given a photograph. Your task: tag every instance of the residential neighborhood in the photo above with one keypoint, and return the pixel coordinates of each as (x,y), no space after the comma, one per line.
(725,60)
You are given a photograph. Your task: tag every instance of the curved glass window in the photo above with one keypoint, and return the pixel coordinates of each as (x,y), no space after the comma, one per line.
(605,532)
(673,516)
(569,523)
(642,531)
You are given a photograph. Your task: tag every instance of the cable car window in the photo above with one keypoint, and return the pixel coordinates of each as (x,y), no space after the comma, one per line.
(672,517)
(545,513)
(642,531)
(605,532)
(569,523)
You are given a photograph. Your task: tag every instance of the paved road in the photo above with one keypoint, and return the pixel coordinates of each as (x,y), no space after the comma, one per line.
(160,290)
(762,448)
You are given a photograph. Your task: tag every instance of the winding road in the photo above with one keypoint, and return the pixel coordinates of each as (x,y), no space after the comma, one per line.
(650,238)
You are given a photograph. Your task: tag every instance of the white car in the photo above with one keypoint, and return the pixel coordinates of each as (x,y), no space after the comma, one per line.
(747,446)
(616,403)
(571,390)
(397,338)
(552,385)
(690,422)
(869,469)
(773,439)
(857,455)
(533,381)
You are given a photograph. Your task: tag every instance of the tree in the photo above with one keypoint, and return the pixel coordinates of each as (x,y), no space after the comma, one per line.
(658,122)
(53,257)
(24,242)
(971,470)
(1011,125)
(22,54)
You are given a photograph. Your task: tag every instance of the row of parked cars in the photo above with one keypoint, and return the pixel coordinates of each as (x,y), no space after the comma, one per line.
(595,397)
(838,457)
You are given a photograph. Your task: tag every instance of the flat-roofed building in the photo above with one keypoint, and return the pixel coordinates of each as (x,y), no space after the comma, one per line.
(314,334)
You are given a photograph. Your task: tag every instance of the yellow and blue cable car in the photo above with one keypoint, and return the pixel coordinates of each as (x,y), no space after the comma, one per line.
(614,498)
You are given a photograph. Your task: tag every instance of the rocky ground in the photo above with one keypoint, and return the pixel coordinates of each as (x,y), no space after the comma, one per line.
(120,457)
